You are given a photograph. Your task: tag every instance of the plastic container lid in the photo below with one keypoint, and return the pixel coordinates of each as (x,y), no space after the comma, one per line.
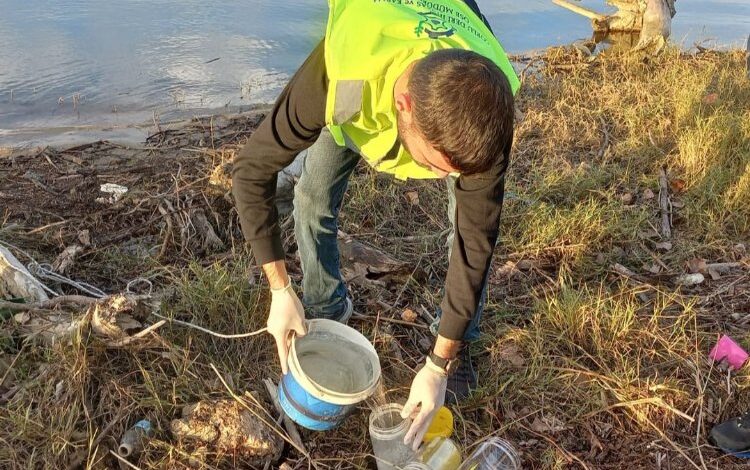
(441,426)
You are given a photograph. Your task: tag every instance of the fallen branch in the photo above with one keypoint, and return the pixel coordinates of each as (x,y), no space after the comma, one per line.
(48,304)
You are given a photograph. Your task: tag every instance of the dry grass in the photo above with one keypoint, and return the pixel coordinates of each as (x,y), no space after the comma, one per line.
(579,366)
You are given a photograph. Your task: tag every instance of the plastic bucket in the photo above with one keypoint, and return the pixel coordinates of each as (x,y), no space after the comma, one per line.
(313,405)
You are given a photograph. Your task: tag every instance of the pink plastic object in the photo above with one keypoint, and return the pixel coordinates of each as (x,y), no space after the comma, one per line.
(727,349)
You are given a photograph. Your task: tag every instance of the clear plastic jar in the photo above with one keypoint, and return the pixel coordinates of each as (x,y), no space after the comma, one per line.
(493,454)
(440,453)
(387,431)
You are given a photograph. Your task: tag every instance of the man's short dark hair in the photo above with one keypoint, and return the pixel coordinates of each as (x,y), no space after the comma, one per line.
(463,106)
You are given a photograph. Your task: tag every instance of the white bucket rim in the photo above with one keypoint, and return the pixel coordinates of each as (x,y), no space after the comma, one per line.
(321,392)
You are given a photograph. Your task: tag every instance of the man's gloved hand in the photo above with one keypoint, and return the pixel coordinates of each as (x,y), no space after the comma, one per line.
(428,394)
(286,315)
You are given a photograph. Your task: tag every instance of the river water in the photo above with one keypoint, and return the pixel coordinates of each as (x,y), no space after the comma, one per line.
(82,69)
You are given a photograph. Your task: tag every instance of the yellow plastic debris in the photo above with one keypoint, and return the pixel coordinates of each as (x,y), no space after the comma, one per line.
(441,426)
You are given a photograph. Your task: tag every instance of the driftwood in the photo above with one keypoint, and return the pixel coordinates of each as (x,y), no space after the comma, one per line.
(17,281)
(665,205)
(653,18)
(117,320)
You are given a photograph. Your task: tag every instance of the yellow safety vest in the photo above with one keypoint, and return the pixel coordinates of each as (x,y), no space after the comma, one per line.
(368,45)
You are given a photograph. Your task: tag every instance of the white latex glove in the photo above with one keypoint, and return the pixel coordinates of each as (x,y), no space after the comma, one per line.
(286,316)
(428,394)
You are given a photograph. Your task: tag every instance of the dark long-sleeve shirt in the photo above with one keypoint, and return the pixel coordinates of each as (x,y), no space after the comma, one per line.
(293,125)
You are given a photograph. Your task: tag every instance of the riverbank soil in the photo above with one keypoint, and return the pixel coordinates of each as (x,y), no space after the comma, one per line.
(627,175)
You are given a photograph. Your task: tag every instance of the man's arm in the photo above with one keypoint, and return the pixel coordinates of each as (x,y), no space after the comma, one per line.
(479,201)
(293,125)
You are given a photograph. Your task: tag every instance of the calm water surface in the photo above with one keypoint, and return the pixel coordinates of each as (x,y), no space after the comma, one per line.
(81,69)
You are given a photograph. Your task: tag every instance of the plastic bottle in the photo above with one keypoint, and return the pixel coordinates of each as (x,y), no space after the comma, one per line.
(133,440)
(440,453)
(387,431)
(493,454)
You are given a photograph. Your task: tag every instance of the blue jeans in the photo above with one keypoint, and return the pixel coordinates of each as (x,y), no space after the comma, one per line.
(317,201)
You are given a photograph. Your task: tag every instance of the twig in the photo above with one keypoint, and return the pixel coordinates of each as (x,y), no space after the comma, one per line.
(288,423)
(45,227)
(140,334)
(206,330)
(10,367)
(672,443)
(653,401)
(665,205)
(124,461)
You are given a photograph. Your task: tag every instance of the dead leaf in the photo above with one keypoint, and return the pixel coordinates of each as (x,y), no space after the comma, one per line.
(626,198)
(710,98)
(540,426)
(648,194)
(678,204)
(409,315)
(654,268)
(600,258)
(22,317)
(547,424)
(512,354)
(677,185)
(59,389)
(84,237)
(697,265)
(413,197)
(664,246)
(714,274)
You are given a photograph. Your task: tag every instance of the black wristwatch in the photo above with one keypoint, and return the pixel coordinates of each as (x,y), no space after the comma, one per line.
(448,365)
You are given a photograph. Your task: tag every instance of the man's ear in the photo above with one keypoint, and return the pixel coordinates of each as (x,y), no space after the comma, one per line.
(404,107)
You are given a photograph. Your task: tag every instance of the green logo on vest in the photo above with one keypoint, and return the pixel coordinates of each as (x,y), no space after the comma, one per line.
(433,25)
